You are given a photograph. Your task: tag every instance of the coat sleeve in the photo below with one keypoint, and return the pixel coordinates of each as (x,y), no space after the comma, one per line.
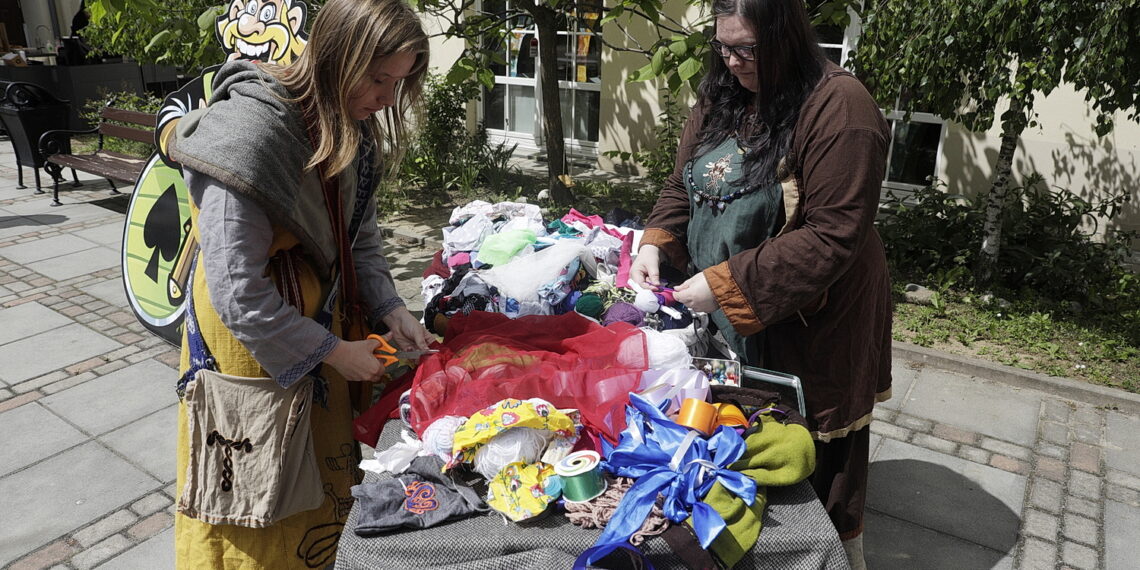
(668,223)
(839,151)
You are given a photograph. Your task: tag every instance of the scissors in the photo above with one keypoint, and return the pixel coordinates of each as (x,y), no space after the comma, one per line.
(388,355)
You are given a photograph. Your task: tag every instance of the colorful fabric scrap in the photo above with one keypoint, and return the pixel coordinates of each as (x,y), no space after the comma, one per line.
(506,414)
(522,491)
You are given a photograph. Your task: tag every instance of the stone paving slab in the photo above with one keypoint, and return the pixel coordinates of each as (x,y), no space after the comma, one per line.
(28,319)
(897,544)
(975,404)
(1122,445)
(78,263)
(903,377)
(109,235)
(39,354)
(32,434)
(109,290)
(132,392)
(959,498)
(72,489)
(154,553)
(46,248)
(149,442)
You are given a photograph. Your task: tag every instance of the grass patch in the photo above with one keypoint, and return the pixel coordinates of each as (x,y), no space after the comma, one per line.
(1092,348)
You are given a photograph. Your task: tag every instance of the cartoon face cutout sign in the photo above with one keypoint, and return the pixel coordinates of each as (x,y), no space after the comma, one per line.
(158,239)
(263,30)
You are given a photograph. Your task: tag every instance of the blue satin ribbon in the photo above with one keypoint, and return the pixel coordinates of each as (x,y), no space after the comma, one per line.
(667,459)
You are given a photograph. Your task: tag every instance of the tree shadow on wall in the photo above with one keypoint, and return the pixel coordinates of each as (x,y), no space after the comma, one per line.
(925,515)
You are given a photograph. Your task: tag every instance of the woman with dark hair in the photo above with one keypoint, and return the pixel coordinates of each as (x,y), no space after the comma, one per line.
(771,208)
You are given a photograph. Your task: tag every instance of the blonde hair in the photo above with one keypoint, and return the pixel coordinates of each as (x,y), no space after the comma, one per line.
(347,36)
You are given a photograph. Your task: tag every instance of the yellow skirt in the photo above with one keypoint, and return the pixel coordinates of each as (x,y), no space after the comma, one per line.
(305,540)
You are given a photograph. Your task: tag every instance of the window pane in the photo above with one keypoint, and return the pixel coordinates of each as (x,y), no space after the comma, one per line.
(493,107)
(521,108)
(914,152)
(565,57)
(580,114)
(829,34)
(589,59)
(834,54)
(522,54)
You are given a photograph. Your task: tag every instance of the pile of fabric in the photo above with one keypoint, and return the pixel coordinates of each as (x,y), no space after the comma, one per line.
(532,406)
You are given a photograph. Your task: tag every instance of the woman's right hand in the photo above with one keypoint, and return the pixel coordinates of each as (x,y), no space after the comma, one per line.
(354,360)
(646,267)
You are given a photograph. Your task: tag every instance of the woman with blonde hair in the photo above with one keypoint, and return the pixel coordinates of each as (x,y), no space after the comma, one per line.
(282,167)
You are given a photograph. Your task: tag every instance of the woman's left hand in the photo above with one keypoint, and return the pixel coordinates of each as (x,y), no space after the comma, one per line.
(696,294)
(406,332)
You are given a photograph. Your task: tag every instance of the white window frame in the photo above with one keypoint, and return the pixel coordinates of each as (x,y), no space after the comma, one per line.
(575,148)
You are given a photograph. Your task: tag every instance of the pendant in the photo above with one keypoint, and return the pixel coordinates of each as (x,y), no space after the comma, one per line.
(720,206)
(697,199)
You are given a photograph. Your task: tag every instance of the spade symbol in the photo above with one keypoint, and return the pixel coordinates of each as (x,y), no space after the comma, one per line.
(161,230)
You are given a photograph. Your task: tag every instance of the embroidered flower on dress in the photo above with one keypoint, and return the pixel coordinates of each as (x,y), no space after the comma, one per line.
(510,418)
(717,171)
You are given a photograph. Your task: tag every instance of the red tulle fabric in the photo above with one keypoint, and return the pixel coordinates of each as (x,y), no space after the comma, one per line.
(568,360)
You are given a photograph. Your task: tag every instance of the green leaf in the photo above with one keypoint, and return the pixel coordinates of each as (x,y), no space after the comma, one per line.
(689,68)
(207,19)
(658,62)
(612,15)
(679,47)
(459,74)
(158,39)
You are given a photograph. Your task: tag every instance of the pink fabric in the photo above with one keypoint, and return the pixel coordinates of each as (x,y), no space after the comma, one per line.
(624,261)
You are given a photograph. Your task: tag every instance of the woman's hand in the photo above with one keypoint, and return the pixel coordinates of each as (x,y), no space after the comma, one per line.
(696,294)
(646,267)
(406,332)
(354,360)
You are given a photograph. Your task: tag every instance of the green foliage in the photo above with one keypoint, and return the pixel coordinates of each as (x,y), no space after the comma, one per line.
(600,197)
(179,33)
(1048,251)
(445,158)
(130,101)
(658,161)
(991,51)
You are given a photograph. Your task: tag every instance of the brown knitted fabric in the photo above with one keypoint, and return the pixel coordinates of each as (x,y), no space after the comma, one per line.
(596,512)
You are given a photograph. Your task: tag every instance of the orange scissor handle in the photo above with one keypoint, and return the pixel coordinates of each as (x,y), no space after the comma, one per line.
(386,353)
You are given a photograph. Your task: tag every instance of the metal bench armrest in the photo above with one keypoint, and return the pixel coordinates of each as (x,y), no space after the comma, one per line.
(51,142)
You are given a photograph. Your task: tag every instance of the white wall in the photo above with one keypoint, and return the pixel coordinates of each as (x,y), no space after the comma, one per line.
(1063,148)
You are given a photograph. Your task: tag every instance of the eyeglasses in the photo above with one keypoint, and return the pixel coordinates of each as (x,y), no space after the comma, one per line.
(744,53)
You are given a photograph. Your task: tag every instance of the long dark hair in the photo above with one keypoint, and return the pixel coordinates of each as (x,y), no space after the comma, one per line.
(789,63)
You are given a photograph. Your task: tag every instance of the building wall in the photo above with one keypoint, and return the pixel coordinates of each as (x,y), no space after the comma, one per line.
(1064,149)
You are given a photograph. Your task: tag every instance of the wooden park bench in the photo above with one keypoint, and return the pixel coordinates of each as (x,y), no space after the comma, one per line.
(110,165)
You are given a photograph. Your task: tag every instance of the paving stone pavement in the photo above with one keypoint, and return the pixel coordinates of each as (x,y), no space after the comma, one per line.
(973,465)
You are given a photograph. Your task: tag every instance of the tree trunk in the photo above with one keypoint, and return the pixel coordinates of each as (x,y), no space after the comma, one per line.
(995,206)
(545,21)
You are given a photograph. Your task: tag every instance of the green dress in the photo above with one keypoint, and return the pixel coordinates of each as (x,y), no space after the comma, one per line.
(727,216)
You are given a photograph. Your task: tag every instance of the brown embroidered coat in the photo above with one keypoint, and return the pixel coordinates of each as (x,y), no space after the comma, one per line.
(820,288)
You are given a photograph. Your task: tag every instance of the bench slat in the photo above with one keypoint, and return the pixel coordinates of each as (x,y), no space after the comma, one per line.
(106,164)
(133,117)
(129,133)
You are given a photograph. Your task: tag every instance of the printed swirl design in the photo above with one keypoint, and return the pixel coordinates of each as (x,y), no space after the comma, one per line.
(421,497)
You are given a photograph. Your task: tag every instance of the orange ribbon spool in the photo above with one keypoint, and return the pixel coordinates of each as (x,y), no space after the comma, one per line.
(697,414)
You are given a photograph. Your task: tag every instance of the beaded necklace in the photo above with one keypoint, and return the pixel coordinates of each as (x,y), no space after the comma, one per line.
(717,171)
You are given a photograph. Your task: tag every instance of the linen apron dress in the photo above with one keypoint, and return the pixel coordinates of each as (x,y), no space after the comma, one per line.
(307,539)
(742,219)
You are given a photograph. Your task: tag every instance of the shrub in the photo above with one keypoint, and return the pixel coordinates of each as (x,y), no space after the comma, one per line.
(1045,252)
(145,103)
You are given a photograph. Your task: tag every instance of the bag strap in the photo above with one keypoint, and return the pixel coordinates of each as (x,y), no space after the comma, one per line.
(200,356)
